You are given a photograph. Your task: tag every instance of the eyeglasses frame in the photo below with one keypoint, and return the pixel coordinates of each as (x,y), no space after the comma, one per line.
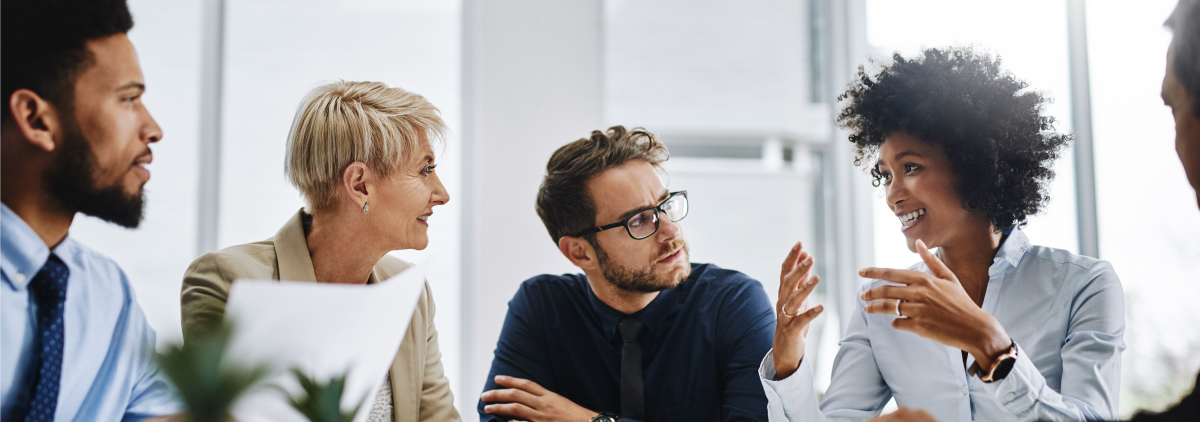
(657,209)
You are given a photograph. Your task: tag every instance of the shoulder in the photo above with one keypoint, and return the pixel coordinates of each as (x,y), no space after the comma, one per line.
(96,267)
(1070,268)
(735,291)
(553,284)
(723,280)
(538,290)
(250,260)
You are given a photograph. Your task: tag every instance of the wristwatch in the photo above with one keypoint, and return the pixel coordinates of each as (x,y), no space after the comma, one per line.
(606,417)
(1000,367)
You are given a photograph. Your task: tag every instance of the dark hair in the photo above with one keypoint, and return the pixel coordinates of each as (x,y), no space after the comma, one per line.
(563,200)
(1185,23)
(43,43)
(995,132)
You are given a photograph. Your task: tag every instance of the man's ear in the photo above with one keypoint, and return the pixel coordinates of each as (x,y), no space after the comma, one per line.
(35,118)
(355,180)
(579,251)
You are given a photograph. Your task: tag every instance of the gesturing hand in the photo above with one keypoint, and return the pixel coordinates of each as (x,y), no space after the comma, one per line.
(936,307)
(526,400)
(792,311)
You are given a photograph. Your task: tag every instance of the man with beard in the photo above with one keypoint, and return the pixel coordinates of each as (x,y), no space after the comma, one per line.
(642,334)
(75,139)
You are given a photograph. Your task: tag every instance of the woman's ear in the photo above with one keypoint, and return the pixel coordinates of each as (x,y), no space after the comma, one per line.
(355,180)
(579,251)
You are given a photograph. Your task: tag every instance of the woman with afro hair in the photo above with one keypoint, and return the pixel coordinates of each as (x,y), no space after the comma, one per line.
(989,327)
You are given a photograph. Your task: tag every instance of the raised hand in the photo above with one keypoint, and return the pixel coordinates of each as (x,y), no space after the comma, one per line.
(526,400)
(936,307)
(792,311)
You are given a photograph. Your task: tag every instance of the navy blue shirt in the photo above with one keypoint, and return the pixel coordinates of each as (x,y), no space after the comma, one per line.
(702,346)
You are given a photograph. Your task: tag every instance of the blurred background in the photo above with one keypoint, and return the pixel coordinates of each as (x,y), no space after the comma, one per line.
(743,94)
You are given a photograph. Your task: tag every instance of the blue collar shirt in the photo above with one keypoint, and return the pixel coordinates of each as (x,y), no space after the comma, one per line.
(109,372)
(1065,312)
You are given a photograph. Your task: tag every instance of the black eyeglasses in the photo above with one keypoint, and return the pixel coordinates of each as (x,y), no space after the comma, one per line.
(644,223)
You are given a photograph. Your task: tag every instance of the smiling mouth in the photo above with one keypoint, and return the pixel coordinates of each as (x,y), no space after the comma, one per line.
(911,219)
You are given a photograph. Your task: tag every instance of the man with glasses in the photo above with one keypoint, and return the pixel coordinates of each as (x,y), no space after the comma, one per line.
(642,334)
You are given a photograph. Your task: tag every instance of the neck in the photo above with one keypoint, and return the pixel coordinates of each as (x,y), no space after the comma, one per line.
(340,250)
(969,260)
(25,196)
(624,301)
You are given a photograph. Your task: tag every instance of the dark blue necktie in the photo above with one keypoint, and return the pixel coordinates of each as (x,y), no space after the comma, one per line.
(633,388)
(49,291)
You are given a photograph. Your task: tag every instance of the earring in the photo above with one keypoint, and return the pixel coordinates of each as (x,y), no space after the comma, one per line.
(366,207)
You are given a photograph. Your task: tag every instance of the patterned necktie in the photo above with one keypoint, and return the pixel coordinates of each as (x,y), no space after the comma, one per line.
(48,290)
(633,395)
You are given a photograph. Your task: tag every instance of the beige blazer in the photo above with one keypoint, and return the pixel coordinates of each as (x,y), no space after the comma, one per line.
(420,389)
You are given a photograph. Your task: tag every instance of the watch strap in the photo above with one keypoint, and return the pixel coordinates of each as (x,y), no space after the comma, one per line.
(1000,366)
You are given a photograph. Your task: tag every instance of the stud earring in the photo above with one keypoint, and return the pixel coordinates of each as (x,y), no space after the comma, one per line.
(366,207)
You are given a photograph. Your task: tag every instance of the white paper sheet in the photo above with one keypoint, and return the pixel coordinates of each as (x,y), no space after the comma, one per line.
(323,329)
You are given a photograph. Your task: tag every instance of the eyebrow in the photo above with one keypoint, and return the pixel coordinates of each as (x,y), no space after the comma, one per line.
(903,154)
(631,213)
(132,85)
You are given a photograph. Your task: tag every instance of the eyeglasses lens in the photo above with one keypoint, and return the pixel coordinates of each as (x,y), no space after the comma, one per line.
(676,208)
(643,224)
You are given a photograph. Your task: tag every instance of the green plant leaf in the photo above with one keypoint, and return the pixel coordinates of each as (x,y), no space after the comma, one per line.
(208,388)
(322,401)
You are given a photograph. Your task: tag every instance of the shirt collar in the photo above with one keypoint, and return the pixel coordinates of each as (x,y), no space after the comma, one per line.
(291,251)
(23,252)
(655,317)
(1011,251)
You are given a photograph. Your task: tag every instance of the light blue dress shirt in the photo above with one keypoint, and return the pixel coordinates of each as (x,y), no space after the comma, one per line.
(1065,312)
(108,372)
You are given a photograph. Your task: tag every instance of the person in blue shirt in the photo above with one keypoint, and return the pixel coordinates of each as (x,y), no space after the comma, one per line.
(991,327)
(76,139)
(643,334)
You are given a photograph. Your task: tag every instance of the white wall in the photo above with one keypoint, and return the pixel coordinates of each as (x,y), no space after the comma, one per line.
(531,84)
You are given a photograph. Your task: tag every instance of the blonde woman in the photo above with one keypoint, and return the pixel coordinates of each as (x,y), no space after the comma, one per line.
(361,155)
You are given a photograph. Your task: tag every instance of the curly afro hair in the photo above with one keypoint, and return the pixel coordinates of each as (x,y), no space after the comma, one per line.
(995,132)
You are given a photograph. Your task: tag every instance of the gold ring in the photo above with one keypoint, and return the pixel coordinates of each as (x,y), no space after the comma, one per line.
(898,302)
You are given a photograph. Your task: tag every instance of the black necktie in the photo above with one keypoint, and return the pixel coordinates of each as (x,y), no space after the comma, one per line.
(49,291)
(633,394)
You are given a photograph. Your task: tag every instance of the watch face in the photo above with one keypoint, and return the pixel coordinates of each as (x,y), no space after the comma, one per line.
(1004,367)
(605,417)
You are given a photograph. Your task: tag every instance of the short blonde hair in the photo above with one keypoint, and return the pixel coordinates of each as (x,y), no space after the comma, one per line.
(343,122)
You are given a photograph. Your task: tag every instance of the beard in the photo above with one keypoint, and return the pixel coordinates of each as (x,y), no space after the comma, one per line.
(641,280)
(71,180)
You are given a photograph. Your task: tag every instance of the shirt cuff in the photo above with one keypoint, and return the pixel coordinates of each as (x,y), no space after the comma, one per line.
(1020,390)
(791,398)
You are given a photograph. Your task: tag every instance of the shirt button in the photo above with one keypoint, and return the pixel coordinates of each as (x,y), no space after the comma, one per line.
(795,392)
(20,278)
(966,390)
(1010,396)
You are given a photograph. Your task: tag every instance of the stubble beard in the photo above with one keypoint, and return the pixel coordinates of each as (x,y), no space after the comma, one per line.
(71,180)
(642,280)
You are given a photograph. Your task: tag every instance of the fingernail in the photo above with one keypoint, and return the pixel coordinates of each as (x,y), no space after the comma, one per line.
(820,308)
(501,378)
